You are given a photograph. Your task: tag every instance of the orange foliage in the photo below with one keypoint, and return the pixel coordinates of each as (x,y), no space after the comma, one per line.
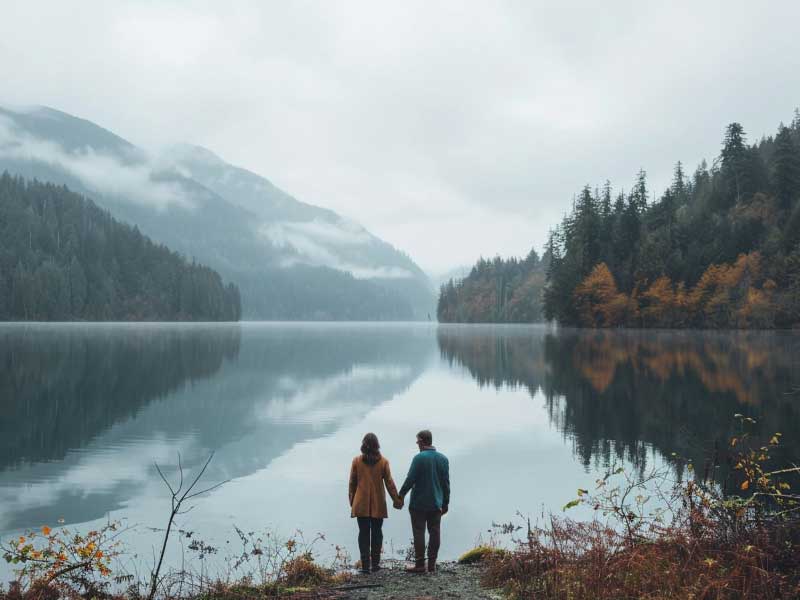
(599,302)
(659,303)
(758,310)
(721,297)
(726,296)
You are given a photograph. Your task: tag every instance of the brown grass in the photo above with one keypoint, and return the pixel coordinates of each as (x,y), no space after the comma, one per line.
(697,544)
(577,561)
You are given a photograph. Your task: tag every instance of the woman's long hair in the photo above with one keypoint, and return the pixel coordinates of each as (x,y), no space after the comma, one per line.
(370,449)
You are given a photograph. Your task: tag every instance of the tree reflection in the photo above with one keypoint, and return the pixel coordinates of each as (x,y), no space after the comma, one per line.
(63,385)
(78,400)
(625,394)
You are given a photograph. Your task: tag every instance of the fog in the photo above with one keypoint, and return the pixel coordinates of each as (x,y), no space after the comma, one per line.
(450,130)
(105,174)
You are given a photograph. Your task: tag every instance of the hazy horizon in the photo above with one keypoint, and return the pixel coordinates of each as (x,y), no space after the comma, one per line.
(451,132)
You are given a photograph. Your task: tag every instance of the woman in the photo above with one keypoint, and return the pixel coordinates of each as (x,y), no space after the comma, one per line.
(368,475)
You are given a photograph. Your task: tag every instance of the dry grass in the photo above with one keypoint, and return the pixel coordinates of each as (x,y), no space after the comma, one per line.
(698,543)
(582,561)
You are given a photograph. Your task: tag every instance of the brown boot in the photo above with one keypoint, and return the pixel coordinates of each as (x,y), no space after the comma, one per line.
(364,565)
(376,562)
(419,567)
(431,565)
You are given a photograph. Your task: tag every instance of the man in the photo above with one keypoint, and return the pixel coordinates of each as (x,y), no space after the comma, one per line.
(429,481)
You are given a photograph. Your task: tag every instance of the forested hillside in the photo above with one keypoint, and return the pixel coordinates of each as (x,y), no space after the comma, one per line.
(495,291)
(289,259)
(63,258)
(719,249)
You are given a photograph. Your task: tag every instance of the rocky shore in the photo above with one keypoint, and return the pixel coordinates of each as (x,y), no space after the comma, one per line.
(451,581)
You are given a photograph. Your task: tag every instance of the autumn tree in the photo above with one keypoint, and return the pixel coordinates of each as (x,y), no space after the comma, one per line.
(599,303)
(659,304)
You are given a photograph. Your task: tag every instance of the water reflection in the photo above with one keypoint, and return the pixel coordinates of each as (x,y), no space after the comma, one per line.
(63,385)
(87,410)
(621,394)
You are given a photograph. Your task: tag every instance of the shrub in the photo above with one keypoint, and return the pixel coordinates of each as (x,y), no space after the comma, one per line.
(62,558)
(697,544)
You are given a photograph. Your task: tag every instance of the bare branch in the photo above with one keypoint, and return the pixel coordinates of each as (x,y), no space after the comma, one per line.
(199,475)
(176,502)
(164,479)
(213,487)
(180,471)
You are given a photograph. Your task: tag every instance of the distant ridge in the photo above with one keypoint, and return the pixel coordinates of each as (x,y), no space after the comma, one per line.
(291,260)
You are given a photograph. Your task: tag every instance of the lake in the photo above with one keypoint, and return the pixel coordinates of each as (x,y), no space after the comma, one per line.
(526,415)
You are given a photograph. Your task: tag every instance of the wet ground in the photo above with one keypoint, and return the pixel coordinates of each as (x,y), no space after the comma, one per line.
(451,581)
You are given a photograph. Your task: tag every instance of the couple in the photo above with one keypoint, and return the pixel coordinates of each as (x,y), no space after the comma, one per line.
(429,482)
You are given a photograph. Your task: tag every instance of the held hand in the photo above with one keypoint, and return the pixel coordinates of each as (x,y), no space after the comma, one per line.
(398,504)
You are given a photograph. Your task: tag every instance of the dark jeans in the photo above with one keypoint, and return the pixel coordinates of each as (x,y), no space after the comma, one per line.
(370,537)
(419,520)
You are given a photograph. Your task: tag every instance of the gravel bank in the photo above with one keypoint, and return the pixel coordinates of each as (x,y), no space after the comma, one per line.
(451,581)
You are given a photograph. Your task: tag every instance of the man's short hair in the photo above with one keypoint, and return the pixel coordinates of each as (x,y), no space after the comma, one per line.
(426,437)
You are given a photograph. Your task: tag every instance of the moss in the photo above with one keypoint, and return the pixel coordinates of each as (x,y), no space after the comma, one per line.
(479,554)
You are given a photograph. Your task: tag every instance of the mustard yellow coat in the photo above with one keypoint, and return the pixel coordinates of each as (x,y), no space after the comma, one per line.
(367,498)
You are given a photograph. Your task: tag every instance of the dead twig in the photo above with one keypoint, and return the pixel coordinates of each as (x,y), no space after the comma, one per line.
(179,496)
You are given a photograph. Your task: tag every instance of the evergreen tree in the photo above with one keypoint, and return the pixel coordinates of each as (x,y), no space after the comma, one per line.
(721,249)
(735,159)
(585,232)
(678,187)
(62,258)
(785,168)
(77,288)
(638,195)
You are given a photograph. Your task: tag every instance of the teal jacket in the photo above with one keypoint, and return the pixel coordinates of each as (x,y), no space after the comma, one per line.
(429,481)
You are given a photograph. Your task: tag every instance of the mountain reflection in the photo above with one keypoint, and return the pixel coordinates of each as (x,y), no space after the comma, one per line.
(622,394)
(62,385)
(87,410)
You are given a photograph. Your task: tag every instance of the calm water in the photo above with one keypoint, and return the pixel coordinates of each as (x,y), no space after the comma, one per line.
(525,414)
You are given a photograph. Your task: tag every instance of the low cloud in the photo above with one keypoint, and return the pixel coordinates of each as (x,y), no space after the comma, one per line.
(316,243)
(379,272)
(101,173)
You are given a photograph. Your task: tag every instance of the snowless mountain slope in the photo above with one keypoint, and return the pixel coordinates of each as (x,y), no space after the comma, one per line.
(291,260)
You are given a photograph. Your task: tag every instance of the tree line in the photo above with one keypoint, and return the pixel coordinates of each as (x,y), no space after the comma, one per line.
(719,249)
(62,258)
(495,291)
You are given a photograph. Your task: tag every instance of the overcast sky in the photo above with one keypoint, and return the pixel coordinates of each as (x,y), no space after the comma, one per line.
(451,130)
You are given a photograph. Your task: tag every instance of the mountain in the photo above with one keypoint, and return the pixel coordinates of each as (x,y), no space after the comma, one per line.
(290,260)
(305,234)
(62,259)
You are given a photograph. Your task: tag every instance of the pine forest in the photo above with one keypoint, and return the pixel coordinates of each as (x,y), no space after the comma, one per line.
(62,258)
(719,249)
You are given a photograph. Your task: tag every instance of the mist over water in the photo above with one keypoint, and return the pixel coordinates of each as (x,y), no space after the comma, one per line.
(526,415)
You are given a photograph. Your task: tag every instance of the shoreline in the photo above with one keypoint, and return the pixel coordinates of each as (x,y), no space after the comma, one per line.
(451,580)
